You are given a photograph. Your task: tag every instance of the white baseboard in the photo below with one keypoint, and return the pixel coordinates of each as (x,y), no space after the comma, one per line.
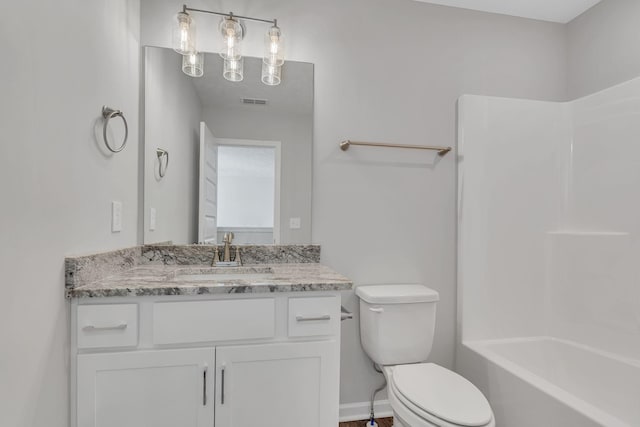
(360,410)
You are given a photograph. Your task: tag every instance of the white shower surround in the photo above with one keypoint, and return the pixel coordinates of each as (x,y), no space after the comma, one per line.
(549,221)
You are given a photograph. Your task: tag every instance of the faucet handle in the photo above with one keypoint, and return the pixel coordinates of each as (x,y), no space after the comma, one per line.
(237,259)
(216,257)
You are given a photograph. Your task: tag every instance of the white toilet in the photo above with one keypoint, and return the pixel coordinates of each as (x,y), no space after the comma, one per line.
(397,324)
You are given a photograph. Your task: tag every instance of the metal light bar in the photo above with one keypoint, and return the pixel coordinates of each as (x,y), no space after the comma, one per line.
(230,14)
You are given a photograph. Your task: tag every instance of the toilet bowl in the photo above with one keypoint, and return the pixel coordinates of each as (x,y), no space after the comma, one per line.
(428,395)
(397,324)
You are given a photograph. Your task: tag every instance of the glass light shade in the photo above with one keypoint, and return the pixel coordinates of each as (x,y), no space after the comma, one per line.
(273,47)
(271,74)
(232,35)
(234,69)
(184,34)
(193,64)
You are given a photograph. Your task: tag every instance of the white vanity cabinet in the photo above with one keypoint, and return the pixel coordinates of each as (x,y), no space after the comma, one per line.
(284,385)
(226,361)
(160,388)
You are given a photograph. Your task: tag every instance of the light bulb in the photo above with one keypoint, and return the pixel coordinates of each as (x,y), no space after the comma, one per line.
(232,34)
(184,34)
(274,47)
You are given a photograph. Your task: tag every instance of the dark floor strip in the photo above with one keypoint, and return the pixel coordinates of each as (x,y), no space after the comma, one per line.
(382,422)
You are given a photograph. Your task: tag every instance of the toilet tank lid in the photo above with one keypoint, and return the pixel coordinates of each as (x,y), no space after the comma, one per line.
(396,294)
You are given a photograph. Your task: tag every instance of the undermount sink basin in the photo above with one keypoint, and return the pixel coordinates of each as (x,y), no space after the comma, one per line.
(220,274)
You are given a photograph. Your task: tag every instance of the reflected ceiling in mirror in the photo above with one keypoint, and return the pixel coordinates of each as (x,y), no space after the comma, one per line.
(240,153)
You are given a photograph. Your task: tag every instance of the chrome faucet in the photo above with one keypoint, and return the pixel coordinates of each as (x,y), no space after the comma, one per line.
(228,238)
(226,256)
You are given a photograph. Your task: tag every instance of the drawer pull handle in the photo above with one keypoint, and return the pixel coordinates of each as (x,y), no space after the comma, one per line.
(314,318)
(376,309)
(120,326)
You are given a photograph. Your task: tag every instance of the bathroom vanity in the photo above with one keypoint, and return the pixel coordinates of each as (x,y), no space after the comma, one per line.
(163,342)
(159,338)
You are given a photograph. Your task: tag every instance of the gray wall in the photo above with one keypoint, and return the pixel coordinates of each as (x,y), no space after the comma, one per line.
(381,216)
(295,134)
(603,47)
(172,121)
(62,61)
(391,70)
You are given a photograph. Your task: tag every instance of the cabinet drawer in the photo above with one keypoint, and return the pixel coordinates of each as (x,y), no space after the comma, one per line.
(313,316)
(107,325)
(205,321)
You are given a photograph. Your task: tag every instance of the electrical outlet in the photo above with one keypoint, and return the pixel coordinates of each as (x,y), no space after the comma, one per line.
(152,219)
(294,223)
(116,216)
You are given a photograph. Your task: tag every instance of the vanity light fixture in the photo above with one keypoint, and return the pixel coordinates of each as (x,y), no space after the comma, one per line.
(232,34)
(232,31)
(184,34)
(273,57)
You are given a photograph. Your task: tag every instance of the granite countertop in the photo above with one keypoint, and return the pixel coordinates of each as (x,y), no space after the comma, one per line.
(153,280)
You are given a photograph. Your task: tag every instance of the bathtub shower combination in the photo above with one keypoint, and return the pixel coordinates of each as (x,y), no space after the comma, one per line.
(549,257)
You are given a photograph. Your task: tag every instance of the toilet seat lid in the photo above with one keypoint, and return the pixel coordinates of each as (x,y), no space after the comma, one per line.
(442,393)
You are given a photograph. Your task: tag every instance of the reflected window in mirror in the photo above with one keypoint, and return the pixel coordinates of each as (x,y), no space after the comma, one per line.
(247,191)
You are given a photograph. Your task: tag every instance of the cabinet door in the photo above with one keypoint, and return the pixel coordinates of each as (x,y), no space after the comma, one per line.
(278,385)
(163,388)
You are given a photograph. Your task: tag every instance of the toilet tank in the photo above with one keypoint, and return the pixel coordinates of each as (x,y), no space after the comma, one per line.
(397,322)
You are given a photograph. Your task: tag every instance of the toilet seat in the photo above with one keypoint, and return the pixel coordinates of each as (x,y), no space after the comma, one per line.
(439,396)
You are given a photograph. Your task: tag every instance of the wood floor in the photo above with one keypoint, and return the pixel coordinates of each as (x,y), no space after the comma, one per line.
(382,422)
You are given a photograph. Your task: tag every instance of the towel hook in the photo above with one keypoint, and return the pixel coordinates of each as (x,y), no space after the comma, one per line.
(161,153)
(108,114)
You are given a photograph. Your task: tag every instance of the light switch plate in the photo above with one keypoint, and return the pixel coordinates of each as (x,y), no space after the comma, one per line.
(294,223)
(152,219)
(116,216)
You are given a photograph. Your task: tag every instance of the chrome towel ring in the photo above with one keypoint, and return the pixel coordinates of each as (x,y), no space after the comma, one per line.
(162,154)
(108,114)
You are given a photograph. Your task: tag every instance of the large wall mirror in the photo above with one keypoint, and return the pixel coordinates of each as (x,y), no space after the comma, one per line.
(226,156)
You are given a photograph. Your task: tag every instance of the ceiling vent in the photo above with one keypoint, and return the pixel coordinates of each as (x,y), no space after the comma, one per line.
(254,101)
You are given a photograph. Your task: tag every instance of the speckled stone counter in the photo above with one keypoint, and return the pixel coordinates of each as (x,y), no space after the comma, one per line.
(180,270)
(174,280)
